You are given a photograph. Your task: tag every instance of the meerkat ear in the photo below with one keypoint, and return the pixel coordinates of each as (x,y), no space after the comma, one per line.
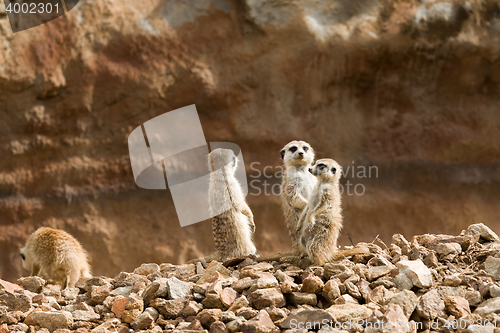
(22,256)
(334,170)
(282,154)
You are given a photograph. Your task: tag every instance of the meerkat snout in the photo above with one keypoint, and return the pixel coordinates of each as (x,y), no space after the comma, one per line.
(310,170)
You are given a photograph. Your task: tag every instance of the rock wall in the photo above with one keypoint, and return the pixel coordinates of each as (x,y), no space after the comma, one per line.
(409,89)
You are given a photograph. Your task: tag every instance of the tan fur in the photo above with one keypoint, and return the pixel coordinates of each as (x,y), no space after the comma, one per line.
(321,221)
(296,187)
(232,229)
(55,255)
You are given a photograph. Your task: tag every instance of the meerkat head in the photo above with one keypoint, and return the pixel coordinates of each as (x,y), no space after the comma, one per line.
(327,170)
(297,153)
(222,158)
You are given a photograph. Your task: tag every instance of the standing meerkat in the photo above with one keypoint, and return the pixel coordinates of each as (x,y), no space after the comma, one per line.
(321,221)
(232,224)
(296,187)
(55,255)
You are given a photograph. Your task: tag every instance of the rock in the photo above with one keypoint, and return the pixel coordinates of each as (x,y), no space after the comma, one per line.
(261,323)
(118,305)
(492,266)
(169,309)
(85,315)
(430,305)
(277,313)
(247,313)
(352,290)
(266,280)
(52,320)
(208,316)
(448,251)
(260,267)
(374,273)
(417,272)
(349,312)
(299,298)
(239,303)
(456,306)
(218,327)
(6,285)
(228,296)
(494,291)
(393,320)
(403,282)
(14,301)
(263,298)
(178,288)
(243,284)
(192,309)
(235,325)
(32,283)
(146,269)
(332,269)
(407,300)
(143,321)
(133,308)
(99,293)
(212,270)
(484,232)
(312,284)
(305,317)
(331,290)
(344,299)
(491,305)
(453,280)
(380,295)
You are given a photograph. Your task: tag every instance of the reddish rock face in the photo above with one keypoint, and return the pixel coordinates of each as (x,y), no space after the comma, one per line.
(402,95)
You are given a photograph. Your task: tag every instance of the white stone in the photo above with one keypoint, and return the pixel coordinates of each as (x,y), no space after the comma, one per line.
(417,272)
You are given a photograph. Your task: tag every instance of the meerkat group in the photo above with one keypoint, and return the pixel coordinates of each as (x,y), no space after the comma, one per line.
(311,202)
(310,199)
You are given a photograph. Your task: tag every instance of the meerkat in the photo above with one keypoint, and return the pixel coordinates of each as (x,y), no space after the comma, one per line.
(296,187)
(55,255)
(321,221)
(233,224)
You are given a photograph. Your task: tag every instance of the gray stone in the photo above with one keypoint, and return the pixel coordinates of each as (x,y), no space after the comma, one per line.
(32,283)
(417,272)
(492,266)
(407,300)
(52,320)
(448,251)
(491,305)
(299,298)
(262,298)
(261,323)
(403,282)
(178,288)
(349,312)
(306,316)
(430,305)
(484,232)
(146,269)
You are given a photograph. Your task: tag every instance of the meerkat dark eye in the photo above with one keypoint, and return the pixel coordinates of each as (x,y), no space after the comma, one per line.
(334,170)
(305,148)
(22,256)
(293,149)
(321,166)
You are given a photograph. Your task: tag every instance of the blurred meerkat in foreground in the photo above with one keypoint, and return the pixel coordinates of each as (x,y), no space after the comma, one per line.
(232,224)
(321,221)
(296,187)
(55,255)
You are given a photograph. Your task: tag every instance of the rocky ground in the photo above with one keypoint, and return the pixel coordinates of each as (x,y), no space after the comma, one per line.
(435,283)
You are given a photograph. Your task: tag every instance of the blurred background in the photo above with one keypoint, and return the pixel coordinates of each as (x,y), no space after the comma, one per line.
(409,88)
